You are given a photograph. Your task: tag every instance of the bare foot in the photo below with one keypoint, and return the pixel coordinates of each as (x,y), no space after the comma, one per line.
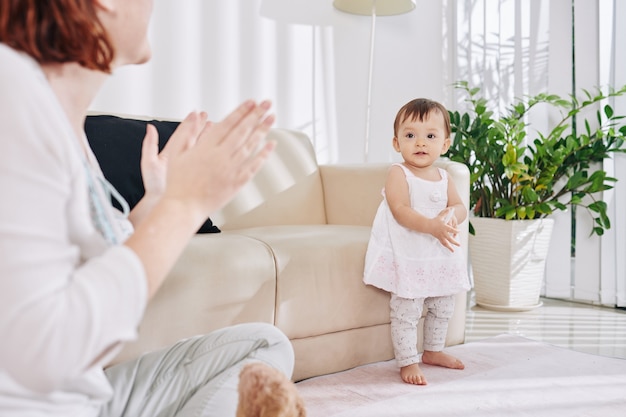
(441,359)
(412,374)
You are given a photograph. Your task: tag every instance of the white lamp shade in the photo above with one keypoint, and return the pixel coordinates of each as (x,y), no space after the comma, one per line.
(381,7)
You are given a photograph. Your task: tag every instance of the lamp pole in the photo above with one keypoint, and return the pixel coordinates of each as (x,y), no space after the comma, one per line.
(369,85)
(368,7)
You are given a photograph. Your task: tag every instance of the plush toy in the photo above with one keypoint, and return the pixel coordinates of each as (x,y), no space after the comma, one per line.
(266,392)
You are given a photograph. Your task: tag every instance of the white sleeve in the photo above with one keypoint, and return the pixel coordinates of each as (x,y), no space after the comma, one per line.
(63,308)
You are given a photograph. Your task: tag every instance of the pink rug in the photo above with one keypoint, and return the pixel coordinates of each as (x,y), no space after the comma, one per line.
(504,376)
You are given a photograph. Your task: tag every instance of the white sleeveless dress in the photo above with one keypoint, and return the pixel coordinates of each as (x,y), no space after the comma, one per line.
(412,264)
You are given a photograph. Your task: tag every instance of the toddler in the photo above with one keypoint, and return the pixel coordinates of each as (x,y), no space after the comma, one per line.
(411,252)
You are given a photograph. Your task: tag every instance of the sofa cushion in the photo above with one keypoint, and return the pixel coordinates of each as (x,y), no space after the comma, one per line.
(116,142)
(320,275)
(347,183)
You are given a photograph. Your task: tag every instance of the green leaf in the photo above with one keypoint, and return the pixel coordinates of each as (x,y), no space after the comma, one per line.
(529,195)
(544,208)
(465,121)
(510,156)
(576,180)
(598,206)
(576,199)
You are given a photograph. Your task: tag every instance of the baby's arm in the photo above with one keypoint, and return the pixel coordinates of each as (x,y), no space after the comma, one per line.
(399,201)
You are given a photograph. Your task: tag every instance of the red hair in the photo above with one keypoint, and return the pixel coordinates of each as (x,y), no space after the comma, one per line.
(56,31)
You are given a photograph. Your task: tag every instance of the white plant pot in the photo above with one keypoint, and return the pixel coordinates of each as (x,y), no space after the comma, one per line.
(508,260)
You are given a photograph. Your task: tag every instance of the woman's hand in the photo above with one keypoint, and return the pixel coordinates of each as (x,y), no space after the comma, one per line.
(251,126)
(204,166)
(154,163)
(208,163)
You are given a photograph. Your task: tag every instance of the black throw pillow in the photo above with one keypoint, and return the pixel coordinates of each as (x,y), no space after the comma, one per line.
(116,142)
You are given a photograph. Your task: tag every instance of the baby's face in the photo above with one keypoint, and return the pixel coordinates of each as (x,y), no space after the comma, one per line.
(421,142)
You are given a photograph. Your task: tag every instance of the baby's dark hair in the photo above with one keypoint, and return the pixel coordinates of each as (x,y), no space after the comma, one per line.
(420,108)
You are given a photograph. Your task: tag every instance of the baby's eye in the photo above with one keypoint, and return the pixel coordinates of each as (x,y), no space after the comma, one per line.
(431,136)
(410,135)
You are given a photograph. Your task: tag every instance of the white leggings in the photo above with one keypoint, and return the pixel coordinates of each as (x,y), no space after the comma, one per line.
(196,377)
(405,315)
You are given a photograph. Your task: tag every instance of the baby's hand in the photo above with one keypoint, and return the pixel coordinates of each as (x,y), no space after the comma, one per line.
(450,218)
(445,229)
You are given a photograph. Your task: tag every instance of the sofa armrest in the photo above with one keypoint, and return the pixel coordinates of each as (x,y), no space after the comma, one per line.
(220,279)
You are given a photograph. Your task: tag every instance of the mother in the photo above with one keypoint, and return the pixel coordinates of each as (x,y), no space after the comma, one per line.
(75,273)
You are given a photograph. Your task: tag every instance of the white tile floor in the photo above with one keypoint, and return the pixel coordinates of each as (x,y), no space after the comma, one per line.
(576,326)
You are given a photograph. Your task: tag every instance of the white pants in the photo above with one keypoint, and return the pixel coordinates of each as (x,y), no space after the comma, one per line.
(405,316)
(196,377)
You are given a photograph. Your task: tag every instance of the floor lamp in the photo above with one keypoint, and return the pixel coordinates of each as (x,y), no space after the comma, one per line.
(373,8)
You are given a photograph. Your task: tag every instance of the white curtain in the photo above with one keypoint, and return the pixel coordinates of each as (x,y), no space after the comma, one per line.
(213,54)
(613,71)
(503,47)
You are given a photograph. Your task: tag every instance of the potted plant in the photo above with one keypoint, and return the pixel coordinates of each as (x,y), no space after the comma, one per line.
(519,176)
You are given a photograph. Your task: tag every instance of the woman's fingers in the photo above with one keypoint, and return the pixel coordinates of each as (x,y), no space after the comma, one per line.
(243,147)
(236,129)
(237,138)
(149,147)
(217,132)
(254,164)
(207,174)
(245,140)
(186,134)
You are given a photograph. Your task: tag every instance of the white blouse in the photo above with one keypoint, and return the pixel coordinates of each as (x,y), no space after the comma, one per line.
(69,296)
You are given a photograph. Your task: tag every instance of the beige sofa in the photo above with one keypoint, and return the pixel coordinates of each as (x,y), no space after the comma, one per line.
(291,253)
